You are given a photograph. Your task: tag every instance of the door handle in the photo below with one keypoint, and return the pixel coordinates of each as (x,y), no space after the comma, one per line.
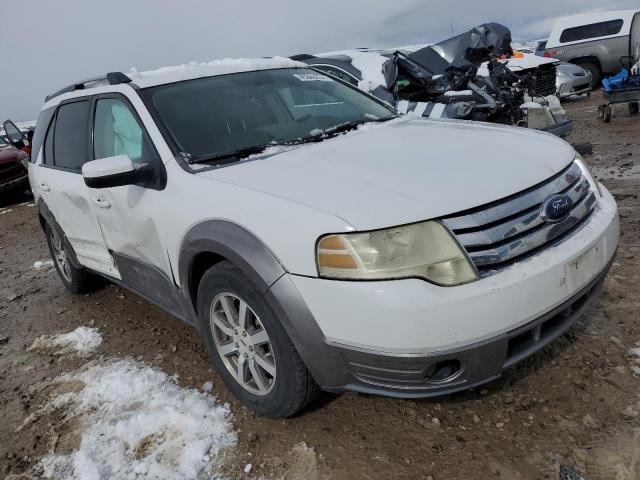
(102,202)
(44,186)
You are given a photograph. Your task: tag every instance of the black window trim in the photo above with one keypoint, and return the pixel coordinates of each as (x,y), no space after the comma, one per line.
(159,181)
(52,124)
(591,38)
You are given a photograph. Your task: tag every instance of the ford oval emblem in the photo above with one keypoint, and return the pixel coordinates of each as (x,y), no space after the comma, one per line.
(557,208)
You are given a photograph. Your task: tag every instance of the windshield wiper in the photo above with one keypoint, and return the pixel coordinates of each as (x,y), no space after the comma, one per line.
(235,154)
(338,129)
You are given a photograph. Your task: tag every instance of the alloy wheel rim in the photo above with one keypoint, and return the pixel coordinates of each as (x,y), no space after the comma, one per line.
(243,343)
(60,257)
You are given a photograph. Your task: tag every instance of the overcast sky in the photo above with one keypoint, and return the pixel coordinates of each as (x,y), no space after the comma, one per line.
(48,44)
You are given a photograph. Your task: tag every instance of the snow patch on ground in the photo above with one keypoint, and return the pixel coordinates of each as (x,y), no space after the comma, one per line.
(136,422)
(40,264)
(82,341)
(2,212)
(635,358)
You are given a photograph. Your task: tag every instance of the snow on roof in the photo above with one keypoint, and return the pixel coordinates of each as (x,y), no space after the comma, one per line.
(188,71)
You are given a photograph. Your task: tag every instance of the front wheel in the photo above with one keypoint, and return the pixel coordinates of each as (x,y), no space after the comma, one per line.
(249,347)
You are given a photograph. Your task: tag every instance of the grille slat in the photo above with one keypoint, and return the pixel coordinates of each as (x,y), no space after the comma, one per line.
(519,224)
(538,238)
(497,234)
(515,204)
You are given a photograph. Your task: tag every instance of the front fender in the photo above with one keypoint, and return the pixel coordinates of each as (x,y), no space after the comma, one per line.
(236,244)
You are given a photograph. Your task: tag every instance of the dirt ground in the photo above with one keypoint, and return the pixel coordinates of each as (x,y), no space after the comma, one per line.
(576,402)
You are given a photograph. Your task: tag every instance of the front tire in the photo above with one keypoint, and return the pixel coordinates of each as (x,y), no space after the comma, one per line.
(248,345)
(76,279)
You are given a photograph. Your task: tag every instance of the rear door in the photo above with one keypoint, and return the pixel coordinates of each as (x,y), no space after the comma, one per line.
(59,181)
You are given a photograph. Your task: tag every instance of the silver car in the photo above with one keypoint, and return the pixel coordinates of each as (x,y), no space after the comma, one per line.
(572,79)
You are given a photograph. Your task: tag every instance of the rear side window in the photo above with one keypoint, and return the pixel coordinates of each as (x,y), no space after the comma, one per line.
(42,125)
(594,30)
(70,143)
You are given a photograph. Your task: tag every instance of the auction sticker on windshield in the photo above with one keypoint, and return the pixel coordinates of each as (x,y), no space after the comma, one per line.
(312,77)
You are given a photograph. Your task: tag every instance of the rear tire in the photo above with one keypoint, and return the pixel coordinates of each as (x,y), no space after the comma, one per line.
(76,279)
(634,108)
(266,375)
(596,73)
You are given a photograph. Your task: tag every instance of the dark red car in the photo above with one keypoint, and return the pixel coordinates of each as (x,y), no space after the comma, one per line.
(14,159)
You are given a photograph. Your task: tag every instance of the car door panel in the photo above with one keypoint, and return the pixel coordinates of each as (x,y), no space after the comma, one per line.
(62,187)
(127,214)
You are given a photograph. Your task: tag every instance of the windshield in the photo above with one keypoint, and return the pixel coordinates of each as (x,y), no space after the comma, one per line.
(215,116)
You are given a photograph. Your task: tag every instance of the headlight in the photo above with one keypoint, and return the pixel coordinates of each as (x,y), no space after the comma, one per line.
(423,250)
(595,185)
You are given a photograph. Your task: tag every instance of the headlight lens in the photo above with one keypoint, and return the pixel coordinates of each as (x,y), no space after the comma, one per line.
(425,250)
(595,185)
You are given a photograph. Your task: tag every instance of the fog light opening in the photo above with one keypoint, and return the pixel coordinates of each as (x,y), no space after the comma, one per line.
(442,371)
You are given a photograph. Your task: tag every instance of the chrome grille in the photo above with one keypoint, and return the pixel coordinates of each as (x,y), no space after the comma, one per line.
(497,234)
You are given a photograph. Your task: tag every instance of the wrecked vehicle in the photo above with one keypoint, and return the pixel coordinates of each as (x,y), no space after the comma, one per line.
(13,168)
(470,76)
(14,158)
(315,238)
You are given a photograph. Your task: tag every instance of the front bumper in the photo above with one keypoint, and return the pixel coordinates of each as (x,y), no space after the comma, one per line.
(411,338)
(568,87)
(460,369)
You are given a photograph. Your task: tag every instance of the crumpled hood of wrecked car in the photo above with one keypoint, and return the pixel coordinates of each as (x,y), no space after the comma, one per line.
(404,171)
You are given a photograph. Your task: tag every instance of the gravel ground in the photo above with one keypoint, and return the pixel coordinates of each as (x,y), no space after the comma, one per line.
(575,403)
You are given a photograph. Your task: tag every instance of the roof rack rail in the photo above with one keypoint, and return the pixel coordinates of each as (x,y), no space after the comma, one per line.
(111,78)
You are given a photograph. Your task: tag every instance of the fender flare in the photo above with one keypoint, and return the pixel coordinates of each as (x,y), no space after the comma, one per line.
(241,247)
(236,244)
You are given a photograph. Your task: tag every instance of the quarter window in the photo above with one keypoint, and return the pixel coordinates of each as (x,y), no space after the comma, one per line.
(42,127)
(118,132)
(594,30)
(70,145)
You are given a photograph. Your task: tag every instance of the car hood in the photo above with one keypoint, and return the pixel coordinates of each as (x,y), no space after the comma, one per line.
(571,69)
(404,171)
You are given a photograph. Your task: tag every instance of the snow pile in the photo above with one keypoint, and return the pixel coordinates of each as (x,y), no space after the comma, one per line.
(40,264)
(138,423)
(205,69)
(82,341)
(635,359)
(371,66)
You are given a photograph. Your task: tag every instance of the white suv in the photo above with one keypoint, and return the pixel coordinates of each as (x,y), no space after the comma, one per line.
(316,239)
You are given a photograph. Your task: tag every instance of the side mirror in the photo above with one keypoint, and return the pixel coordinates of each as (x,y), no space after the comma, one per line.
(13,133)
(115,171)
